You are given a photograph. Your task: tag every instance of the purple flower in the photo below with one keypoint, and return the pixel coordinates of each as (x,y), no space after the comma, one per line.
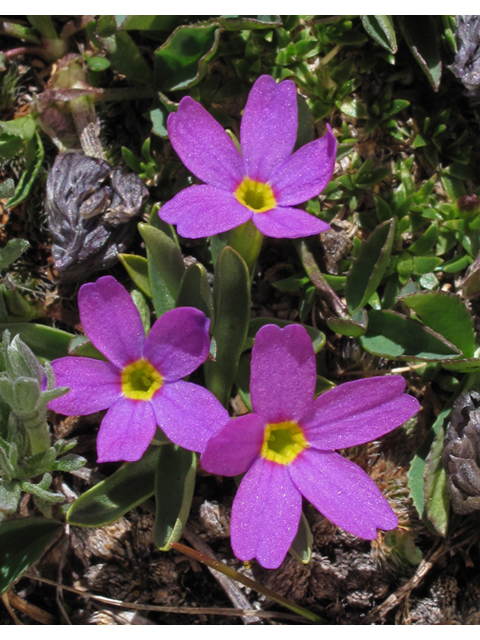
(141,384)
(264,182)
(287,447)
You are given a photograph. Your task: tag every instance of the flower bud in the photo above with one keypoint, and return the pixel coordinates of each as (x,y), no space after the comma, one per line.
(89,207)
(461,454)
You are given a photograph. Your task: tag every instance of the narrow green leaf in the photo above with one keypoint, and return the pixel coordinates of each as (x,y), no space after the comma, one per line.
(147,23)
(381,29)
(437,500)
(137,269)
(232,313)
(166,267)
(425,264)
(195,290)
(33,161)
(422,38)
(354,326)
(392,335)
(22,542)
(81,346)
(426,242)
(416,480)
(127,59)
(45,342)
(174,485)
(368,269)
(166,256)
(447,315)
(107,501)
(301,548)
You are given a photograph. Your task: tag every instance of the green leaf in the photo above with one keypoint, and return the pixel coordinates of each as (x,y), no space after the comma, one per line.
(126,58)
(317,337)
(33,161)
(182,60)
(45,342)
(131,159)
(425,264)
(422,38)
(23,128)
(14,249)
(166,267)
(231,292)
(301,548)
(353,107)
(147,23)
(195,290)
(437,500)
(447,315)
(174,485)
(416,480)
(81,346)
(392,335)
(354,326)
(143,309)
(107,501)
(426,242)
(137,269)
(368,269)
(22,542)
(381,29)
(97,63)
(463,365)
(241,23)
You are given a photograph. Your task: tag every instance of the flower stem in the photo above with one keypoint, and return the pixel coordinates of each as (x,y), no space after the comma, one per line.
(247,241)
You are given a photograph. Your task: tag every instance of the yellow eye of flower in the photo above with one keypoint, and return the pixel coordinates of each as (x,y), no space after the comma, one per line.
(140,380)
(257,196)
(283,442)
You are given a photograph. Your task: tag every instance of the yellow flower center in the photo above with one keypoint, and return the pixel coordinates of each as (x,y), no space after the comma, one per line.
(257,196)
(140,380)
(283,442)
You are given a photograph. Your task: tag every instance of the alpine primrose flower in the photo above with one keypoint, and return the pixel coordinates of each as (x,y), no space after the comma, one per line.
(141,384)
(264,182)
(287,448)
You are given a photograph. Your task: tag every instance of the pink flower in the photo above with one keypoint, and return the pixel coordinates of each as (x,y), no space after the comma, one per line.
(287,448)
(141,385)
(264,182)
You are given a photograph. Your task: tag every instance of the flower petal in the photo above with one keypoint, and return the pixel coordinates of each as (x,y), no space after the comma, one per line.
(286,222)
(178,342)
(269,127)
(265,514)
(234,449)
(126,431)
(283,373)
(202,211)
(188,414)
(306,173)
(94,385)
(342,492)
(204,147)
(357,412)
(111,320)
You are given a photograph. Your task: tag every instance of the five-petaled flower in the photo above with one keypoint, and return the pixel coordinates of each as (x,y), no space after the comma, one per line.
(141,384)
(287,447)
(264,182)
